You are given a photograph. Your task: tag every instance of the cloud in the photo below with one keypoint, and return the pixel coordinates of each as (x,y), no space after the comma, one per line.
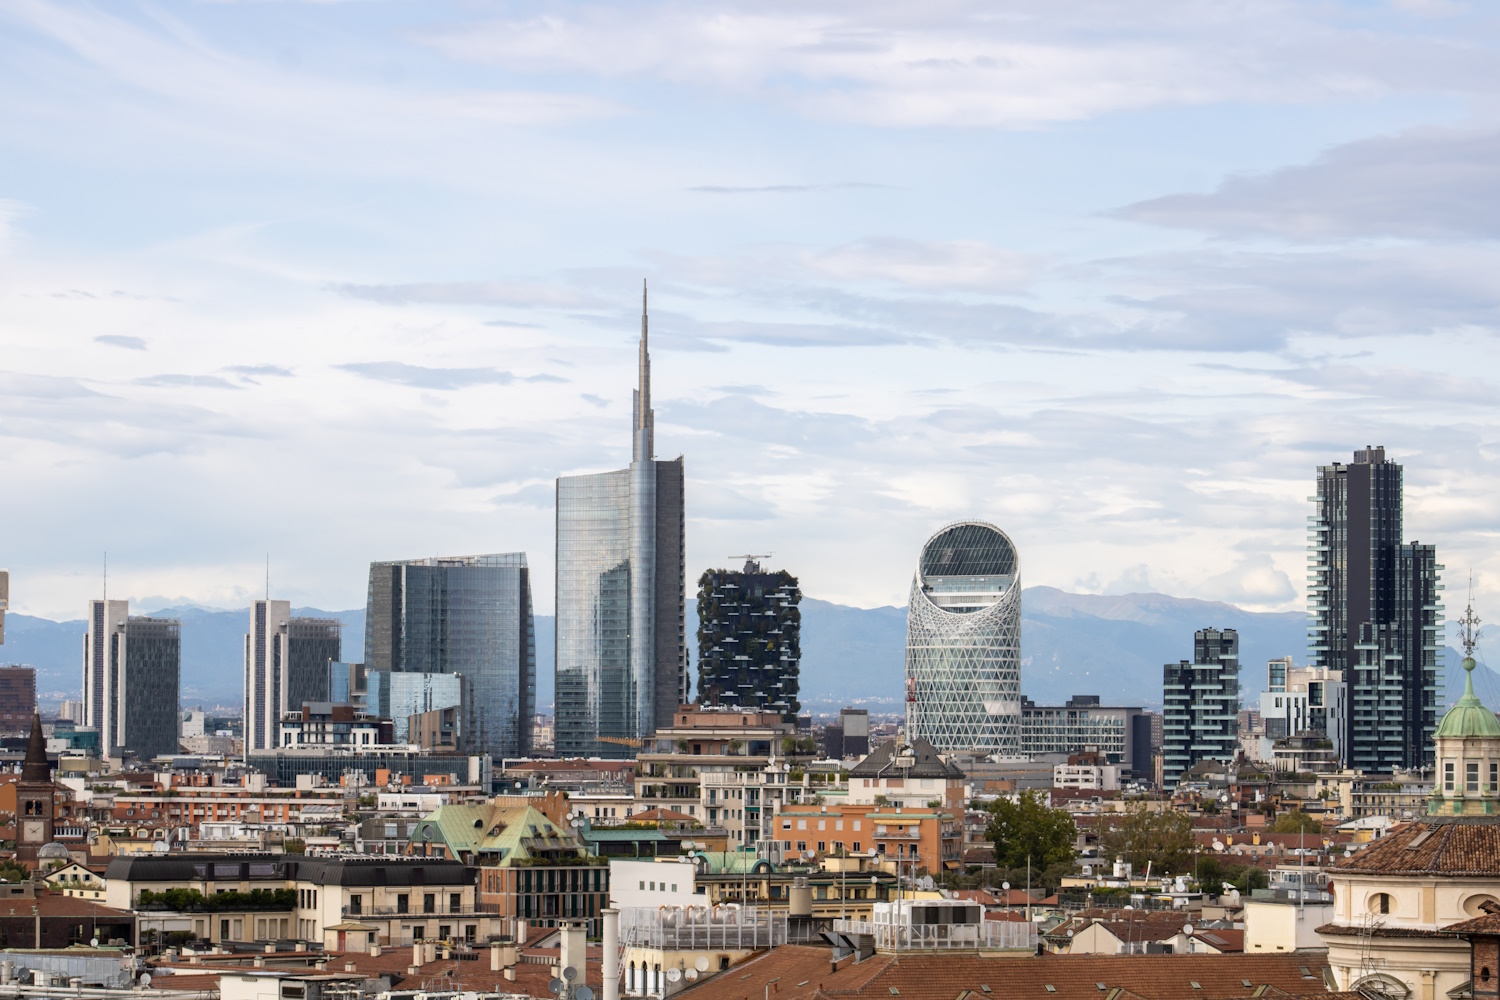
(419,377)
(1423,184)
(471,293)
(120,340)
(1253,581)
(270,371)
(784,188)
(173,381)
(1010,65)
(593,400)
(961,264)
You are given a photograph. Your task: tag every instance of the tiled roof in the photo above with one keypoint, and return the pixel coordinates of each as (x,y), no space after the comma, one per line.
(1452,848)
(803,972)
(928,764)
(1355,930)
(1489,923)
(1223,939)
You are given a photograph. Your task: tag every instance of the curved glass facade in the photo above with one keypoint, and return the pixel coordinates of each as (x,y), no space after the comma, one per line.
(963,641)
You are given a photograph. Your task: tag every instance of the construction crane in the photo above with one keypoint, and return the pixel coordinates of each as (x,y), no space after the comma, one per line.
(752,561)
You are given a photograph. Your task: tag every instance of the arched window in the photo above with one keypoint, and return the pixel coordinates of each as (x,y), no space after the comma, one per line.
(1382,903)
(1383,986)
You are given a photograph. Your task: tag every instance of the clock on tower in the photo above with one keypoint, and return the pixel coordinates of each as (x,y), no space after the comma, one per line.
(34,797)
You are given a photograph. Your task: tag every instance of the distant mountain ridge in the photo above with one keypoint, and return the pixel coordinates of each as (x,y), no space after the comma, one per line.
(1109,645)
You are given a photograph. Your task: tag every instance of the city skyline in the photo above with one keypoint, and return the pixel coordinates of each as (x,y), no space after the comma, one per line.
(1126,289)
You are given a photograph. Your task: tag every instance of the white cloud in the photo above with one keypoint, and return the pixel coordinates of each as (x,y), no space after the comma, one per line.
(981,64)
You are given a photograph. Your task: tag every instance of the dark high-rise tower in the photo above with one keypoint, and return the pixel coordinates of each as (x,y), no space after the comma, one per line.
(750,639)
(1201,702)
(621,594)
(286,664)
(1375,613)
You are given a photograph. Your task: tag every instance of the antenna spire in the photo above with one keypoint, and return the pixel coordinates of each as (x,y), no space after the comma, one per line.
(644,430)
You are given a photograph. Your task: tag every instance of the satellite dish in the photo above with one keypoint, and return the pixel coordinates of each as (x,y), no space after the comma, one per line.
(1005,886)
(556,985)
(701,964)
(691,974)
(584,993)
(93,942)
(1187,929)
(674,975)
(570,973)
(145,980)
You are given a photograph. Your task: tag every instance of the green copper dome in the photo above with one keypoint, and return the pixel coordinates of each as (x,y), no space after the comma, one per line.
(1468,716)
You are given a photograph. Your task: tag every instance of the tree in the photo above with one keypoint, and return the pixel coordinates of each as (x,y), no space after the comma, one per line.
(1297,821)
(1144,836)
(1027,830)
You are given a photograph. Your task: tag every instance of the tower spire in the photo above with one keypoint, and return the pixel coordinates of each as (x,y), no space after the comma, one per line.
(644,449)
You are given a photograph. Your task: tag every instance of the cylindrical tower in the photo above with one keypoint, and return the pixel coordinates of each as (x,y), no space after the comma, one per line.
(963,641)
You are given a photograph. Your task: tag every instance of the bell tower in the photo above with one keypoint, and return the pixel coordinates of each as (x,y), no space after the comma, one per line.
(34,806)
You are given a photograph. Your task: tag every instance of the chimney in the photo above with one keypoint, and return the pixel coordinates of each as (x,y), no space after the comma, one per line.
(574,942)
(611,954)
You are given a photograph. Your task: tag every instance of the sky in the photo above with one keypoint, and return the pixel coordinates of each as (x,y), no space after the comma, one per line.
(326,283)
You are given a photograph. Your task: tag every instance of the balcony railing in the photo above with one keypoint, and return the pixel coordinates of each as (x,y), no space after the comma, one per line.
(998,935)
(467,910)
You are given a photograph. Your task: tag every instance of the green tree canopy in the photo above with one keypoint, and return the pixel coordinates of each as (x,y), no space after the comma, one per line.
(1144,836)
(1027,829)
(1297,821)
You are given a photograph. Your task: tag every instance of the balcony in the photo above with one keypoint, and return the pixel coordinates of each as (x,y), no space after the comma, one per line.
(467,910)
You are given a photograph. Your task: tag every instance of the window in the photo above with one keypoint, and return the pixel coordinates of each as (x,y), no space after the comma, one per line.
(455,902)
(1471,777)
(429,902)
(822,824)
(822,845)
(856,825)
(402,903)
(1381,903)
(802,824)
(801,845)
(674,886)
(643,886)
(856,847)
(786,824)
(838,824)
(1494,774)
(1447,775)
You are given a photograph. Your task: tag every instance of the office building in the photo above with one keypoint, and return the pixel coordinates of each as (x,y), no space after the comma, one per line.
(348,684)
(1082,724)
(17,699)
(622,663)
(71,710)
(398,696)
(1375,614)
(286,664)
(855,723)
(963,642)
(749,639)
(131,671)
(468,615)
(1201,704)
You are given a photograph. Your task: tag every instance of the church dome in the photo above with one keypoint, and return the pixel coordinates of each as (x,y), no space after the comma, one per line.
(1468,717)
(53,852)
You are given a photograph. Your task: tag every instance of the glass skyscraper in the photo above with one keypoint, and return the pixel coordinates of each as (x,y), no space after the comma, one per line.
(1375,613)
(963,642)
(621,595)
(468,615)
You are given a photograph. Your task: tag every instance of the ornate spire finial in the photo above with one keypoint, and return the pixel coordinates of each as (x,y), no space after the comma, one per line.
(1468,628)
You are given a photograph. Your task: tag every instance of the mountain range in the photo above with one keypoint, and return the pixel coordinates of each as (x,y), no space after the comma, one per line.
(1112,646)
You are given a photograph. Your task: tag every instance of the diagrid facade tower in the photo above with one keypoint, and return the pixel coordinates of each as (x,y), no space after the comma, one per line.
(621,593)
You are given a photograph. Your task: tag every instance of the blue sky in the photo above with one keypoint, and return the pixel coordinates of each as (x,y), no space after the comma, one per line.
(355,281)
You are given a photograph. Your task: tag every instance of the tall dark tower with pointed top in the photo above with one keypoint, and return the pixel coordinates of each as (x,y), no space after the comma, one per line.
(34,797)
(621,592)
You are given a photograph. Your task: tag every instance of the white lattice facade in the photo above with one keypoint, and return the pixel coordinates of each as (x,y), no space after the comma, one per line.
(963,642)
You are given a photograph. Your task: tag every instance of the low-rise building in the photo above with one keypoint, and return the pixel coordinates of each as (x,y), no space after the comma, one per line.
(901,774)
(1089,771)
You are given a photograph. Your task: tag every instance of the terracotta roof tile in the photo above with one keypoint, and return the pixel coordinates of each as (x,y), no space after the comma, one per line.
(1443,848)
(802,971)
